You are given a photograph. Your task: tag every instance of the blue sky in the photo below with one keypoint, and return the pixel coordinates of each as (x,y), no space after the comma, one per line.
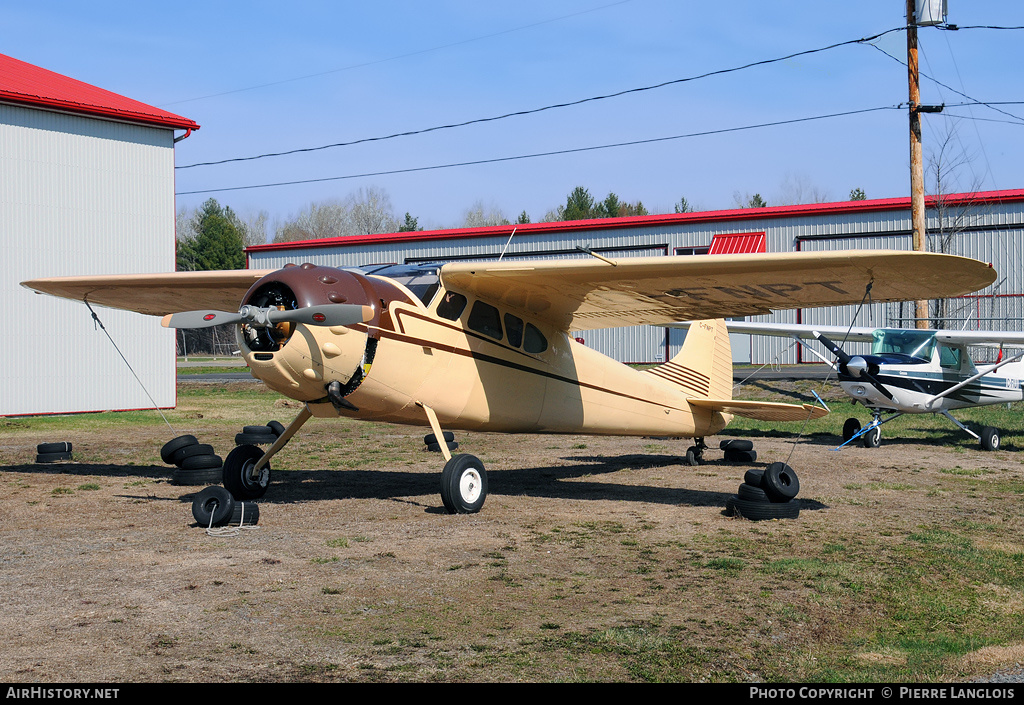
(265,77)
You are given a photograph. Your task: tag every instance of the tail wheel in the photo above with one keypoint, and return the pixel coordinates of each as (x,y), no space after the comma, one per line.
(463,484)
(240,477)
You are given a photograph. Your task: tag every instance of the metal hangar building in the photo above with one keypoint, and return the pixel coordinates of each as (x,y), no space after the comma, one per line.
(987,226)
(86,187)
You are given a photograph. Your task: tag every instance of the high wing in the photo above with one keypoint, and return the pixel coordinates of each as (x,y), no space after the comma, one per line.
(861,334)
(761,410)
(156,294)
(584,294)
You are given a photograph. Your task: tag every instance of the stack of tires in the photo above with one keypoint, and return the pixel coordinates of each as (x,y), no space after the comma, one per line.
(766,494)
(215,506)
(259,435)
(195,463)
(53,452)
(738,450)
(434,447)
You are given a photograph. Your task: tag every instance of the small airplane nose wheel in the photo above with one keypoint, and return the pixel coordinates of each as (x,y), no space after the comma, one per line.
(239,476)
(463,484)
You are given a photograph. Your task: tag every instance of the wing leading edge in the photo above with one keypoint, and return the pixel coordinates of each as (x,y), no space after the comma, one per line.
(585,294)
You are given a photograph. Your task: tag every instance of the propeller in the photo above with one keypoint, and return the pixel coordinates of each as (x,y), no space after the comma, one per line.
(855,365)
(325,315)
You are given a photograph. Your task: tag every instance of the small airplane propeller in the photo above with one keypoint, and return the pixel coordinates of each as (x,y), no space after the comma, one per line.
(855,365)
(326,315)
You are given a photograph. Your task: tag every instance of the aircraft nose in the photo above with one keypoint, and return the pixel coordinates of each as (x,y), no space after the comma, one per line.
(857,366)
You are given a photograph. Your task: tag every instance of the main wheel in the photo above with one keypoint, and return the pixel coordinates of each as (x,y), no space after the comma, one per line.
(873,438)
(463,484)
(850,429)
(989,438)
(239,478)
(780,482)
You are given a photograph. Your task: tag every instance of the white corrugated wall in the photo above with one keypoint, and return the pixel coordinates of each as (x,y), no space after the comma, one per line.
(81,196)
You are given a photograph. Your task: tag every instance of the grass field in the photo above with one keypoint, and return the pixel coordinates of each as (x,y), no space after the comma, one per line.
(595,559)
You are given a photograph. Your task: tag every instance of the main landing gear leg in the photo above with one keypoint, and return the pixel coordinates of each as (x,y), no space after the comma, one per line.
(463,479)
(695,453)
(247,468)
(989,438)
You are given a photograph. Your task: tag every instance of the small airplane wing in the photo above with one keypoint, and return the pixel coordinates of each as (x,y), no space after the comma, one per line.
(866,335)
(795,330)
(761,410)
(156,294)
(588,294)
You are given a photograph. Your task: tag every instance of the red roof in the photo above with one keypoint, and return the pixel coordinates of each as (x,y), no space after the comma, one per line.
(26,84)
(570,226)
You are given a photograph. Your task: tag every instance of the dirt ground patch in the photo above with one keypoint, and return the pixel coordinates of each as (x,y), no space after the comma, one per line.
(593,559)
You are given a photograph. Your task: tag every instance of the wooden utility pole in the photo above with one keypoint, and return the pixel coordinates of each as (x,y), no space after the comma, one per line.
(917,211)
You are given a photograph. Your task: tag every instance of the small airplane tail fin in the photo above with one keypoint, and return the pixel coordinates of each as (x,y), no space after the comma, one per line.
(703,367)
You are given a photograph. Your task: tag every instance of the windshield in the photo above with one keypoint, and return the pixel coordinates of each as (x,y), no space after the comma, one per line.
(907,342)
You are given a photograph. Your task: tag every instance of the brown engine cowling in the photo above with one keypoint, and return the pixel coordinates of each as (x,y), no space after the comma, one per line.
(301,361)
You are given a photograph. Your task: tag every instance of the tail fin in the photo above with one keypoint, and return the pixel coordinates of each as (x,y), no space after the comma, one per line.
(703,367)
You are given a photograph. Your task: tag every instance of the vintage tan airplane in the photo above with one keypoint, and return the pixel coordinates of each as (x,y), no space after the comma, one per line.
(486,345)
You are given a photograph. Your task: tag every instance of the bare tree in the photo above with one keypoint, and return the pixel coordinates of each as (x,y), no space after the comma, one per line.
(479,216)
(797,188)
(318,220)
(370,212)
(254,227)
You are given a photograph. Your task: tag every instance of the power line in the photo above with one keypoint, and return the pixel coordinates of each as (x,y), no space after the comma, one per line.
(519,113)
(535,155)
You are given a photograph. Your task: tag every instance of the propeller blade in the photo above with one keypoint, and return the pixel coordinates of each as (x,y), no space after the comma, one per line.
(833,348)
(326,315)
(199,319)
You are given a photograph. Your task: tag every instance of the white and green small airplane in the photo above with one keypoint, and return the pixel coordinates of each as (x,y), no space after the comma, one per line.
(911,371)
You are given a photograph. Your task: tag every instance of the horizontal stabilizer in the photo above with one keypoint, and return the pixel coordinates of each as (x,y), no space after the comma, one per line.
(761,410)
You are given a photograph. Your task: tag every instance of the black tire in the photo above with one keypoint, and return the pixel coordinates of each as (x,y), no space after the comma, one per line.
(430,438)
(256,430)
(780,482)
(753,476)
(740,456)
(989,438)
(850,429)
(237,473)
(872,438)
(435,448)
(255,439)
(693,456)
(203,476)
(201,462)
(276,427)
(213,506)
(61,447)
(463,484)
(736,444)
(52,457)
(758,511)
(167,452)
(189,451)
(751,493)
(245,514)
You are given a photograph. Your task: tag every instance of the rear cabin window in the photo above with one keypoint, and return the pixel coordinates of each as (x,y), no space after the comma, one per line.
(534,341)
(949,357)
(451,306)
(484,318)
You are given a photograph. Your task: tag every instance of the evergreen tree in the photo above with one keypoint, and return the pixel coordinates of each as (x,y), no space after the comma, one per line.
(579,205)
(683,206)
(858,194)
(411,224)
(523,219)
(218,241)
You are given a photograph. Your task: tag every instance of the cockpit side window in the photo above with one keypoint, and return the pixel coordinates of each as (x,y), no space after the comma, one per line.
(451,305)
(514,330)
(484,318)
(949,358)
